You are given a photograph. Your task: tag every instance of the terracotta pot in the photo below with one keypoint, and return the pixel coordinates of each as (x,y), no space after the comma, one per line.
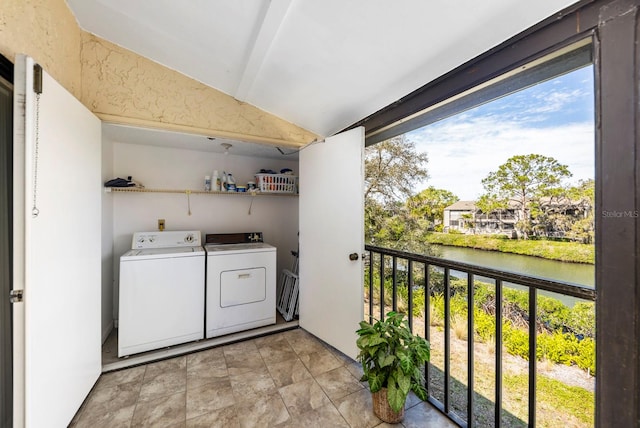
(382,409)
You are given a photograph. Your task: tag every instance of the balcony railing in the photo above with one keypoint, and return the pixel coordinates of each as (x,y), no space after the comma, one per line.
(408,273)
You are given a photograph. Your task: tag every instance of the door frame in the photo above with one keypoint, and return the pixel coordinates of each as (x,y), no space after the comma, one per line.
(6,250)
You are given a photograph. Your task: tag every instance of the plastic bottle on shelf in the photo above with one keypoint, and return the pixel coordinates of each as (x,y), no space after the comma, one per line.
(231,183)
(223,182)
(207,183)
(216,181)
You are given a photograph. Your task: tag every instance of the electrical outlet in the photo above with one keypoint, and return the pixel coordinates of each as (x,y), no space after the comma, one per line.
(160,224)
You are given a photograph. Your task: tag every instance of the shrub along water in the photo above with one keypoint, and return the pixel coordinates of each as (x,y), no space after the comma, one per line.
(565,335)
(552,250)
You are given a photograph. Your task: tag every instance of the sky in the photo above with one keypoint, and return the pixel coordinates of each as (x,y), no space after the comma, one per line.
(554,118)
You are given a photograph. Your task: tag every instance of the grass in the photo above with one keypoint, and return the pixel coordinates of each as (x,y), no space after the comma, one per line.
(552,250)
(557,404)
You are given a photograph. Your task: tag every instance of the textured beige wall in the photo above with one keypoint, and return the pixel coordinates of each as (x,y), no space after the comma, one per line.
(47,31)
(123,87)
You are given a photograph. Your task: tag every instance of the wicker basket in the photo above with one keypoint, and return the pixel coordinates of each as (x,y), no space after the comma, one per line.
(382,409)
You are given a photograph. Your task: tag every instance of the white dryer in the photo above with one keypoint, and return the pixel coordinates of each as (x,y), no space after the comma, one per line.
(161,299)
(241,284)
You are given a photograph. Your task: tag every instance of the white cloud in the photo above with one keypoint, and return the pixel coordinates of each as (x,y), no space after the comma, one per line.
(463,150)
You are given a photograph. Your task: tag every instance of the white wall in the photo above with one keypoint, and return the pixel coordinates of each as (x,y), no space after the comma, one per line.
(107,241)
(173,168)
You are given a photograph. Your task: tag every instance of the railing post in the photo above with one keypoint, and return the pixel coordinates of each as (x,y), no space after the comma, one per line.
(410,293)
(533,309)
(394,283)
(381,287)
(498,354)
(427,320)
(370,287)
(447,340)
(470,333)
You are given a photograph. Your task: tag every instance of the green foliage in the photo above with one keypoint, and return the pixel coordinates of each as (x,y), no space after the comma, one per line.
(559,325)
(565,335)
(430,204)
(552,250)
(516,340)
(391,357)
(556,396)
(392,168)
(582,319)
(521,180)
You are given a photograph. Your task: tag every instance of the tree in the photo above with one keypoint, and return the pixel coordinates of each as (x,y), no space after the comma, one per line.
(521,181)
(392,169)
(583,196)
(429,205)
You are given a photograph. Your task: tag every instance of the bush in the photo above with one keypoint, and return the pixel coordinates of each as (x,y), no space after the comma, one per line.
(567,334)
(516,341)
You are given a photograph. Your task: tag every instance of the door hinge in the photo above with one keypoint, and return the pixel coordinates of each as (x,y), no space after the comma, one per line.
(16,296)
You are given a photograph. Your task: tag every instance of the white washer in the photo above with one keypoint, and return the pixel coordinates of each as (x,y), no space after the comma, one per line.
(241,287)
(161,299)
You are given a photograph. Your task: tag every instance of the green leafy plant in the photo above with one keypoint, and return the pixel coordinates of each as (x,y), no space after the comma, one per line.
(392,358)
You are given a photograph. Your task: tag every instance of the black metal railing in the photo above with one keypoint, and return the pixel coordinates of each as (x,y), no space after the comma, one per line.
(388,269)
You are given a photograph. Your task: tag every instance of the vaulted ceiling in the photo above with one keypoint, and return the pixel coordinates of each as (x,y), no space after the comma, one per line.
(321,65)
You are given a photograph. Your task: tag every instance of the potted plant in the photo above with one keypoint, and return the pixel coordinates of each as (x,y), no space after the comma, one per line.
(392,358)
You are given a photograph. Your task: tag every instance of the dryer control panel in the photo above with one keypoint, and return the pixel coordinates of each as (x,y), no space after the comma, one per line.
(166,239)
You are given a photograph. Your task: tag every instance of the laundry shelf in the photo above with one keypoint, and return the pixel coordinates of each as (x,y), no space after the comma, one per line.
(193,192)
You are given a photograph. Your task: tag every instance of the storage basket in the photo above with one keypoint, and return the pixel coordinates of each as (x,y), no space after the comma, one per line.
(276,183)
(383,410)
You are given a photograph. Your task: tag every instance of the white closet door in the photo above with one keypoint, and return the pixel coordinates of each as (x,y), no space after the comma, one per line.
(331,229)
(57,255)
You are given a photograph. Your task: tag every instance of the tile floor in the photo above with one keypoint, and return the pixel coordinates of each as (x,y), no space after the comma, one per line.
(288,379)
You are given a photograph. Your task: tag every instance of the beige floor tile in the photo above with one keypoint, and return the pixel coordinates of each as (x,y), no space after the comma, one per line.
(199,375)
(109,399)
(244,362)
(209,398)
(252,385)
(338,383)
(303,396)
(240,348)
(211,358)
(288,372)
(357,410)
(424,414)
(289,379)
(323,417)
(269,339)
(116,418)
(320,362)
(276,351)
(134,374)
(388,425)
(356,370)
(303,343)
(171,365)
(165,383)
(221,418)
(164,411)
(264,411)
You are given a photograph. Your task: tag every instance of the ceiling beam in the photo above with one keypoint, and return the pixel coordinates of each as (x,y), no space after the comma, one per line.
(272,20)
